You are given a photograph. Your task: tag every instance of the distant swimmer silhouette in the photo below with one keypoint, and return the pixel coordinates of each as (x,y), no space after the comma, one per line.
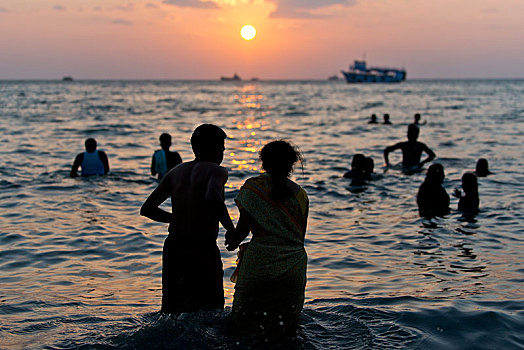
(482,168)
(163,159)
(416,119)
(386,119)
(373,119)
(432,198)
(91,161)
(271,273)
(361,169)
(192,274)
(411,150)
(357,167)
(469,202)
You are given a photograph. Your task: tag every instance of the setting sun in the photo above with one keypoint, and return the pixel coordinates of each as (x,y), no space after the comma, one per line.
(248,32)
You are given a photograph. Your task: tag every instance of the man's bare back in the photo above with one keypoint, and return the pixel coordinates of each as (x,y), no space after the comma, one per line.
(192,274)
(196,189)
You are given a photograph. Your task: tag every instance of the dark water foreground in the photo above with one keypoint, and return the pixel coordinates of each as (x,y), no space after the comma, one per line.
(79,268)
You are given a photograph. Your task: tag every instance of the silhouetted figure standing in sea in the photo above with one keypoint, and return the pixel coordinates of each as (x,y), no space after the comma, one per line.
(192,274)
(373,119)
(411,150)
(432,198)
(163,159)
(469,202)
(271,273)
(91,161)
(386,119)
(482,168)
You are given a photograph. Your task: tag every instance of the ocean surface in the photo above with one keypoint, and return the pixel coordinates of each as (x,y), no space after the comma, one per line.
(80,268)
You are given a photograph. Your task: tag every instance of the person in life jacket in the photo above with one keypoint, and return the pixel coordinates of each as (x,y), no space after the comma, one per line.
(91,161)
(163,159)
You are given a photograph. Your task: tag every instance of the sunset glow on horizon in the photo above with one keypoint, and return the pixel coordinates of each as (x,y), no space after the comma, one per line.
(156,39)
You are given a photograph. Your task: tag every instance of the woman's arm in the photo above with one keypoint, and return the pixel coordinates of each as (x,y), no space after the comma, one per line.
(235,237)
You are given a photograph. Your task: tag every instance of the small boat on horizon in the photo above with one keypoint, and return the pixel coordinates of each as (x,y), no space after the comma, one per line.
(360,73)
(67,78)
(233,78)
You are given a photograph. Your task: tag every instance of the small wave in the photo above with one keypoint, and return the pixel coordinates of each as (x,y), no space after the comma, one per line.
(369,105)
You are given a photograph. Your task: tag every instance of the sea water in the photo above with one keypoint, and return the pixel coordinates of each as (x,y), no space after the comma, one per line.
(79,268)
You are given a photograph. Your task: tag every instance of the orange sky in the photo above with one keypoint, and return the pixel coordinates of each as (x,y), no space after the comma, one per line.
(296,39)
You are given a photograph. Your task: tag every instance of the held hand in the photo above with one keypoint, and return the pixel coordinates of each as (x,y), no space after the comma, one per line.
(457,193)
(230,240)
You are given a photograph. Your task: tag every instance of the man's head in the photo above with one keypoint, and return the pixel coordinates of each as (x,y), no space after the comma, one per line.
(207,142)
(90,145)
(413,132)
(165,141)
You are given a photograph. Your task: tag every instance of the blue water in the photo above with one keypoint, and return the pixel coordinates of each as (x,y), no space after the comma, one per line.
(79,268)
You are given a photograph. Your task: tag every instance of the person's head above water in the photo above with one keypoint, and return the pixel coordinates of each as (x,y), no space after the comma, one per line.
(413,132)
(373,117)
(469,183)
(90,145)
(165,141)
(417,118)
(278,158)
(435,174)
(386,117)
(357,162)
(207,143)
(482,168)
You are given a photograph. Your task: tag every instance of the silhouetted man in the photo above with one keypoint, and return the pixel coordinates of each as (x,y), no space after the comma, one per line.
(192,274)
(91,161)
(163,159)
(411,150)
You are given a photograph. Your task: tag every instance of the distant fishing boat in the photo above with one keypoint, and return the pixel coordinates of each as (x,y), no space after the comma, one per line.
(233,78)
(360,73)
(67,78)
(333,77)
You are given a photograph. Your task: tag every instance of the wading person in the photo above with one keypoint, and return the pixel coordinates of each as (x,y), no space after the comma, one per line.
(271,274)
(191,265)
(411,150)
(91,161)
(163,159)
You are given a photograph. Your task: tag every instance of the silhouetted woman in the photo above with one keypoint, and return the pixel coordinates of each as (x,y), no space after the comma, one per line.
(271,273)
(432,198)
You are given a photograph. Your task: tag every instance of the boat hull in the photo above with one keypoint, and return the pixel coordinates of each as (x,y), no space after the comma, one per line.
(357,78)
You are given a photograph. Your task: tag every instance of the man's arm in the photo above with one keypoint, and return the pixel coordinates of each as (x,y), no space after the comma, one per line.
(150,208)
(215,195)
(76,164)
(430,153)
(390,149)
(234,238)
(105,161)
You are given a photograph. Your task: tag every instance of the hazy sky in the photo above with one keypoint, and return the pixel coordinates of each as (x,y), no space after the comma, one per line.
(296,39)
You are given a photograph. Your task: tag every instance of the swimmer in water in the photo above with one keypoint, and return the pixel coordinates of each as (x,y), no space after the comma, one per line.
(411,150)
(163,159)
(482,168)
(469,202)
(91,161)
(432,198)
